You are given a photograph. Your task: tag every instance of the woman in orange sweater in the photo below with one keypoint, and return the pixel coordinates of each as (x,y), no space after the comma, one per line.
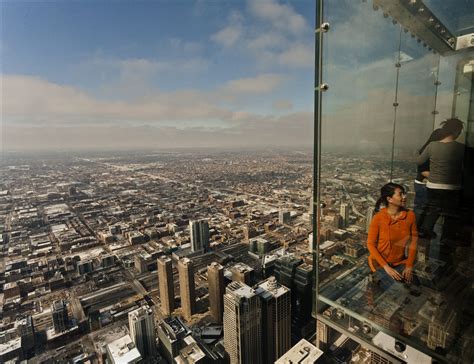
(391,231)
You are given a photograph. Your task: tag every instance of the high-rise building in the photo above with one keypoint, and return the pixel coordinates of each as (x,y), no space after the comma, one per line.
(142,330)
(166,284)
(297,276)
(242,324)
(369,217)
(344,213)
(276,319)
(324,335)
(442,328)
(171,334)
(186,287)
(27,333)
(107,260)
(123,351)
(84,267)
(241,272)
(199,232)
(215,280)
(284,217)
(60,316)
(303,352)
(249,232)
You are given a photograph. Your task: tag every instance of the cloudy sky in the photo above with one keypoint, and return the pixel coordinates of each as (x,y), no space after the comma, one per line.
(125,74)
(93,74)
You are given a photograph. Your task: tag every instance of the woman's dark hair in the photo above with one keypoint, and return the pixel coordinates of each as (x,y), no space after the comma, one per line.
(436,135)
(387,191)
(452,127)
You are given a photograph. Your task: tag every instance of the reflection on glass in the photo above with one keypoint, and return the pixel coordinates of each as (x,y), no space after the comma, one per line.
(391,116)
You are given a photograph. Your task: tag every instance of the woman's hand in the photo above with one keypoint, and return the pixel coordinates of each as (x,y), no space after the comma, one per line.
(392,272)
(408,274)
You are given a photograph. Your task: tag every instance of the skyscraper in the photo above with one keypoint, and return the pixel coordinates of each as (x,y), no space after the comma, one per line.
(241,272)
(166,286)
(242,324)
(27,333)
(344,213)
(284,217)
(142,330)
(324,335)
(276,319)
(186,287)
(199,232)
(215,280)
(60,316)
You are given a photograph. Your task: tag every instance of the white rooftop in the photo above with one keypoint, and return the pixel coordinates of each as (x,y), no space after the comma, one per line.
(240,290)
(271,285)
(303,353)
(326,244)
(124,351)
(9,346)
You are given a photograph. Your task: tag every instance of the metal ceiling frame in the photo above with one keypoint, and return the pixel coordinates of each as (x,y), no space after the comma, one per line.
(415,17)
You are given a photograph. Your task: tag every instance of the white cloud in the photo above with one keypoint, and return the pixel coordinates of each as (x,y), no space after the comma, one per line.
(251,131)
(266,40)
(45,115)
(228,36)
(298,55)
(253,85)
(31,98)
(273,34)
(140,69)
(132,69)
(183,45)
(282,105)
(281,16)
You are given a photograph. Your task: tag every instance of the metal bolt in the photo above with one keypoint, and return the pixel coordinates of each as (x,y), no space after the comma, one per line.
(325,27)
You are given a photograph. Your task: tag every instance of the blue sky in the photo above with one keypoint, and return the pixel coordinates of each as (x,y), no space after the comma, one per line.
(202,73)
(182,65)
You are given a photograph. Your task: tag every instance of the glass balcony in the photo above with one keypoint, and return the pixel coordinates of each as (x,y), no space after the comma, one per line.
(388,74)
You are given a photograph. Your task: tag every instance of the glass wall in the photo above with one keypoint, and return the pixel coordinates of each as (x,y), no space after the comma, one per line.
(394,269)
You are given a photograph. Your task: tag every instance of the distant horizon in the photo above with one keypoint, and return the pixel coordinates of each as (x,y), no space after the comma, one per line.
(256,148)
